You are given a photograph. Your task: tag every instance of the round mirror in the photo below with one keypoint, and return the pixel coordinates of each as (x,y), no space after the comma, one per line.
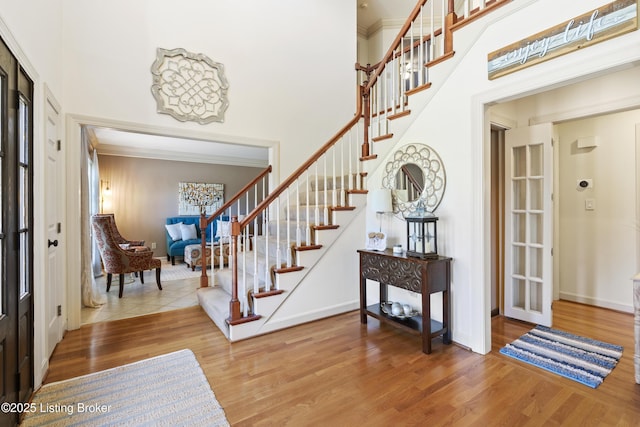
(409,182)
(416,177)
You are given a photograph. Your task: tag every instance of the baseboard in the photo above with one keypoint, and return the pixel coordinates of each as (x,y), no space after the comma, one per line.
(310,316)
(596,302)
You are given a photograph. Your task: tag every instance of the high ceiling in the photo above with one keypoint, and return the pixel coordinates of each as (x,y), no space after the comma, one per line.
(134,144)
(372,11)
(122,143)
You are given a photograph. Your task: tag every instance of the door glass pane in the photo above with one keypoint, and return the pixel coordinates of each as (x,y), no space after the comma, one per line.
(535,296)
(519,261)
(24,263)
(536,158)
(519,228)
(535,228)
(23,201)
(536,194)
(535,263)
(23,132)
(519,162)
(519,195)
(23,195)
(519,293)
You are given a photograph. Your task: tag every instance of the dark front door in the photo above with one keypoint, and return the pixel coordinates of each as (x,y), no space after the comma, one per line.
(16,236)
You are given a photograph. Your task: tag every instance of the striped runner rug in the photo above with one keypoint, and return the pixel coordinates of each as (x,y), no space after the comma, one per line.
(581,359)
(167,390)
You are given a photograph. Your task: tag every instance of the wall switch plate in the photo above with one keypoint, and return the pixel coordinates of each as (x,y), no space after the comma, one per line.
(589,204)
(153,245)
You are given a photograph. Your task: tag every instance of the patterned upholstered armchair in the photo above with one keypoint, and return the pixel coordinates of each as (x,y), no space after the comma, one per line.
(116,234)
(120,261)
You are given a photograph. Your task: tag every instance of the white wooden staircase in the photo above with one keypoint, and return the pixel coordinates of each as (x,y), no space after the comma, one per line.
(293,251)
(285,244)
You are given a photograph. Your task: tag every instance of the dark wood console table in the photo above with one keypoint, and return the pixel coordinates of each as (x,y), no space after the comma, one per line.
(424,276)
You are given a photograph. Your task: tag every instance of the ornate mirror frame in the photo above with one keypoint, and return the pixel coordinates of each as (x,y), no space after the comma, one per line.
(434,177)
(189,86)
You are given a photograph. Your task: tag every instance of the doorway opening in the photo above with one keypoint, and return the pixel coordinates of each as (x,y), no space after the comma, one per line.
(595,214)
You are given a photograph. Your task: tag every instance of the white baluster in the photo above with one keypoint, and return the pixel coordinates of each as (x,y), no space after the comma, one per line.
(421,59)
(317,213)
(243,287)
(221,239)
(378,86)
(389,96)
(350,158)
(212,247)
(298,229)
(267,276)
(411,64)
(288,225)
(393,65)
(403,71)
(325,204)
(356,147)
(442,22)
(307,234)
(343,194)
(334,202)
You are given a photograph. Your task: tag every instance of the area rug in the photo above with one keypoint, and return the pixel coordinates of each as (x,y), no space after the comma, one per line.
(180,271)
(581,359)
(167,390)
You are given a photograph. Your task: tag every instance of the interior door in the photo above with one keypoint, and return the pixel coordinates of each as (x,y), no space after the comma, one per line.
(529,223)
(54,290)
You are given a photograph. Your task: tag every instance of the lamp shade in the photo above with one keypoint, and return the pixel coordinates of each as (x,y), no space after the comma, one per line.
(381,200)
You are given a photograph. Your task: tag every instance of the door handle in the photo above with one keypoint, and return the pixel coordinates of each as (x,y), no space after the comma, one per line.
(54,243)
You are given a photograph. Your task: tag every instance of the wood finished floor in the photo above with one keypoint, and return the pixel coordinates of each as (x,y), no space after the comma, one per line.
(338,372)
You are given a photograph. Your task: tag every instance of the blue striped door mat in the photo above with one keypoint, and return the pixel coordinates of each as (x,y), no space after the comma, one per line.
(584,360)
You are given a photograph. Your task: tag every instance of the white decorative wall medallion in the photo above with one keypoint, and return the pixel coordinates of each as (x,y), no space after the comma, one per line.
(189,86)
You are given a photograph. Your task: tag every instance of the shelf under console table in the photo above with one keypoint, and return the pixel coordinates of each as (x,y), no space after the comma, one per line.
(423,276)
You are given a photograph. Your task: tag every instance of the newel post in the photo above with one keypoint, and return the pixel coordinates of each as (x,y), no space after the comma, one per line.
(204,280)
(365,111)
(234,304)
(450,19)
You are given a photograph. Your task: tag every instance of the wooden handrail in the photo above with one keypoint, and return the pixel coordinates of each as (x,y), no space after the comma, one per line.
(239,194)
(417,185)
(306,165)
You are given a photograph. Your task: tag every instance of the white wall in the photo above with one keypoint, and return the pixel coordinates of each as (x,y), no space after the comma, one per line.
(598,247)
(455,125)
(36,25)
(289,66)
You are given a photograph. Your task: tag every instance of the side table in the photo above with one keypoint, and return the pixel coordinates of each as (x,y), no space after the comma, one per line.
(424,276)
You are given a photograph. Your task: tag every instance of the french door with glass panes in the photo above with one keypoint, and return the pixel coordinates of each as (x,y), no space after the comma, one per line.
(16,234)
(528,224)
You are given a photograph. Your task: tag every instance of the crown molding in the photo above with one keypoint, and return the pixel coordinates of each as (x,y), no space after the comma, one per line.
(379,25)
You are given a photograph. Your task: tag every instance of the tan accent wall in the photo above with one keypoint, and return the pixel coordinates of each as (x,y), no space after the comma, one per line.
(144,192)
